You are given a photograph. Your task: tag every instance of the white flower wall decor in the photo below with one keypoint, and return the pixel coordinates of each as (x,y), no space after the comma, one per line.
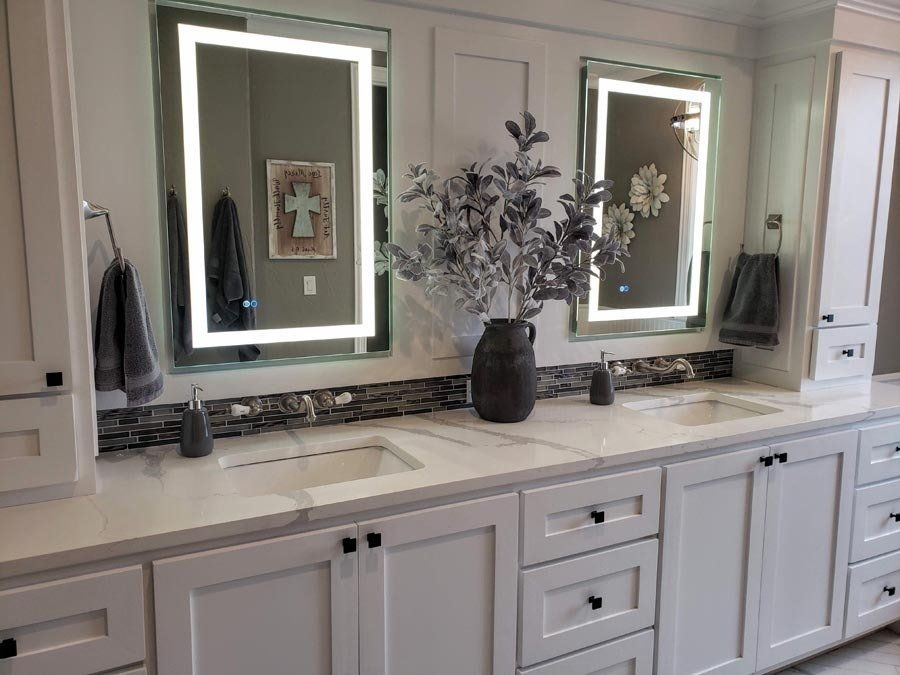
(618,224)
(648,191)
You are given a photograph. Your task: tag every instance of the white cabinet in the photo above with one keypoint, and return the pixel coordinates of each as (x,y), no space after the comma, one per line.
(711,562)
(437,590)
(804,572)
(754,557)
(282,606)
(866,99)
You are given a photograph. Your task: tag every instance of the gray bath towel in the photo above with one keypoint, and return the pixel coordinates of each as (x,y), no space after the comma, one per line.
(124,347)
(751,316)
(179,279)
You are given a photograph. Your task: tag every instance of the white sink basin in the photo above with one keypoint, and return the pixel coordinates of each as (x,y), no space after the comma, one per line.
(282,470)
(706,407)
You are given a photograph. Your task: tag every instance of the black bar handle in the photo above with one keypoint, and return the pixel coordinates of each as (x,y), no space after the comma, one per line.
(598,516)
(782,458)
(8,648)
(374,539)
(890,590)
(895,516)
(847,352)
(767,461)
(828,318)
(349,544)
(595,602)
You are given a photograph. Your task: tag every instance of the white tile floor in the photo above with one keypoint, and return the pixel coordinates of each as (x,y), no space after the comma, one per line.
(876,654)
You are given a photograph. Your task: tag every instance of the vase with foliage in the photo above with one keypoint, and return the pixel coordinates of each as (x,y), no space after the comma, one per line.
(485,239)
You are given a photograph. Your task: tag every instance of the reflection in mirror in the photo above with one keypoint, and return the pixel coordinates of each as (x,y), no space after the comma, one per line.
(275,155)
(653,133)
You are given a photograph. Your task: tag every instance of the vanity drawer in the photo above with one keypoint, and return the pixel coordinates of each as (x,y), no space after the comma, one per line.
(869,600)
(557,521)
(875,530)
(632,655)
(879,453)
(842,352)
(76,626)
(555,612)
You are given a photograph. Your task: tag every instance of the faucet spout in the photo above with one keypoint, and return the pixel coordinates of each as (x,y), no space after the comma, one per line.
(310,408)
(662,367)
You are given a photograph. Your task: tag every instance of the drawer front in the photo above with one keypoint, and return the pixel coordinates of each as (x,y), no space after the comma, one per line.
(879,453)
(579,517)
(870,602)
(632,655)
(842,352)
(556,615)
(76,626)
(876,521)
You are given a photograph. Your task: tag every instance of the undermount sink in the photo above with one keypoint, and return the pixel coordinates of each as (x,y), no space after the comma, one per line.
(696,410)
(290,468)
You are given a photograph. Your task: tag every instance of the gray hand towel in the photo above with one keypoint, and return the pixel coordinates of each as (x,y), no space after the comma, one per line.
(124,347)
(751,316)
(179,279)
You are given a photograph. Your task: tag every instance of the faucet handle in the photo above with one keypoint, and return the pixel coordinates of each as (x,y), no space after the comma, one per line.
(289,403)
(617,368)
(343,399)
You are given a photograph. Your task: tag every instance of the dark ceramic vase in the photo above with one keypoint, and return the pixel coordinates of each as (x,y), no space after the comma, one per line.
(504,379)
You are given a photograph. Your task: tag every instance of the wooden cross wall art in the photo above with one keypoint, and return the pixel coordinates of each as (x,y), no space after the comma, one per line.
(301,210)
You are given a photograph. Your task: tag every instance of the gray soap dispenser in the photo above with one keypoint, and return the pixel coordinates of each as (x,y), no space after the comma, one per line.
(602,390)
(196,432)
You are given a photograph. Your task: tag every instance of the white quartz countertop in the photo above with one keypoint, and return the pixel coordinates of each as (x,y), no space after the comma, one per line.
(155,498)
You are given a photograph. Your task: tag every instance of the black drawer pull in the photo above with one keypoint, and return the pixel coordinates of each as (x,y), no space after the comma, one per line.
(847,352)
(890,590)
(767,461)
(54,379)
(349,544)
(595,602)
(897,449)
(828,318)
(8,648)
(782,458)
(374,539)
(598,516)
(895,516)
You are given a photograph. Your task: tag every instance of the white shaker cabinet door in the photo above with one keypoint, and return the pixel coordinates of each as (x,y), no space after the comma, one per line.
(437,590)
(711,559)
(807,544)
(863,136)
(279,607)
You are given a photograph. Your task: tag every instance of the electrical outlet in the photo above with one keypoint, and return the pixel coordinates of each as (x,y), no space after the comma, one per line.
(309,285)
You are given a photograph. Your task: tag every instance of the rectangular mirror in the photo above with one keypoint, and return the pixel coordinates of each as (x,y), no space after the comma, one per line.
(652,132)
(274,135)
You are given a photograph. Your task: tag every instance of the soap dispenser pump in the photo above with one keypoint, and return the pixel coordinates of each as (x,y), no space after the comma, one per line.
(602,390)
(196,432)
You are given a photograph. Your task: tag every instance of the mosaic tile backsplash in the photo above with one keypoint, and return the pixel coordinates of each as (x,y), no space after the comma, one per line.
(146,426)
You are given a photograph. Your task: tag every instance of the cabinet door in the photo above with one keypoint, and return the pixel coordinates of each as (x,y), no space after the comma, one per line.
(34,333)
(863,135)
(806,548)
(711,562)
(437,590)
(279,607)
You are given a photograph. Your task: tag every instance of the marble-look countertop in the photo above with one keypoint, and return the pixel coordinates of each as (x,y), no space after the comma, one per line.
(155,498)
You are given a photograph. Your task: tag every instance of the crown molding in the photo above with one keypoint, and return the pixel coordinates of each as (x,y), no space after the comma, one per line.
(775,12)
(884,9)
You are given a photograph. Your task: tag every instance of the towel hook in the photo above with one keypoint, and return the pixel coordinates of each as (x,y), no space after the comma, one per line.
(226,192)
(92,211)
(172,191)
(774,221)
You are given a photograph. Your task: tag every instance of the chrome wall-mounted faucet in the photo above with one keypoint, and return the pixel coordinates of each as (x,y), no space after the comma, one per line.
(662,367)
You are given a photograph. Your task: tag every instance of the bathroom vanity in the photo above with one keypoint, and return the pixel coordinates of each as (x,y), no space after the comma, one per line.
(583,539)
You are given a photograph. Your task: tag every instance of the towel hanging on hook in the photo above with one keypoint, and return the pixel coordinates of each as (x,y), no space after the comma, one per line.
(91,210)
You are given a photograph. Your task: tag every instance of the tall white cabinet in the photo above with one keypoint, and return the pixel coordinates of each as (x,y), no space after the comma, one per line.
(46,410)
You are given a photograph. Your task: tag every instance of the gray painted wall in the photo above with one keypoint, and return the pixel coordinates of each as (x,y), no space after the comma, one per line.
(887,352)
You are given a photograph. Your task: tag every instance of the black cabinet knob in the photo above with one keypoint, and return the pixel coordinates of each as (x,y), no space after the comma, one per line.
(782,458)
(828,318)
(349,544)
(847,352)
(374,539)
(8,648)
(897,449)
(54,379)
(767,461)
(598,516)
(895,516)
(595,602)
(890,590)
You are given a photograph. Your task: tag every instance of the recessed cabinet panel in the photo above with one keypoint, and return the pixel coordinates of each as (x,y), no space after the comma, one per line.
(873,598)
(711,562)
(580,602)
(876,521)
(843,352)
(879,454)
(437,591)
(282,606)
(632,655)
(77,626)
(864,133)
(804,571)
(577,517)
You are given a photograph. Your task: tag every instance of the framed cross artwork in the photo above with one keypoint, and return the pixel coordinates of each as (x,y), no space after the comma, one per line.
(301,209)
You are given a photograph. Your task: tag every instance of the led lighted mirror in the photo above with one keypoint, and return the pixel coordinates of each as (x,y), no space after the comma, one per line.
(652,132)
(275,156)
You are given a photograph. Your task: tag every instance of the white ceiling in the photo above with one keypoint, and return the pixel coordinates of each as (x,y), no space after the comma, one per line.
(763,12)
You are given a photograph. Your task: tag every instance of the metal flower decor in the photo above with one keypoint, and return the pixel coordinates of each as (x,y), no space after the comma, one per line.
(647,192)
(486,235)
